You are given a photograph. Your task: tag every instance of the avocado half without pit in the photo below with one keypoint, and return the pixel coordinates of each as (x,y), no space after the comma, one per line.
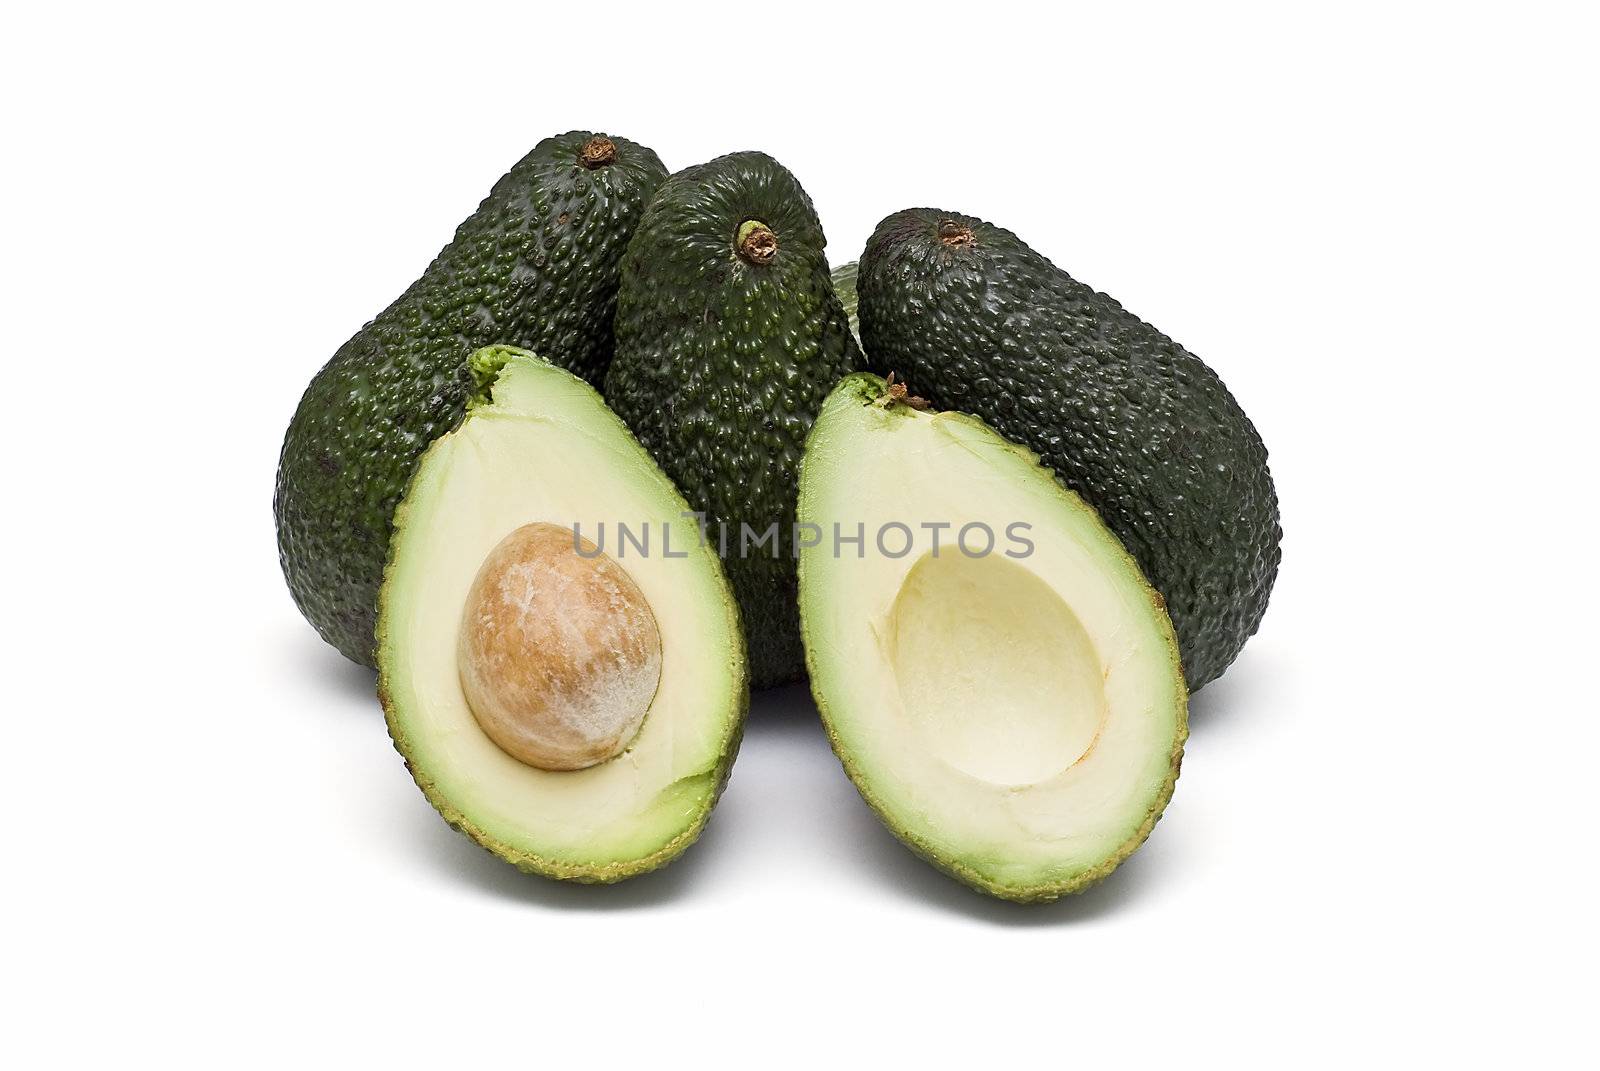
(569,699)
(993,670)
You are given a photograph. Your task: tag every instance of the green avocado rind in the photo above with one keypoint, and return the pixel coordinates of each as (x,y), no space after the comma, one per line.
(536,265)
(866,389)
(975,320)
(486,364)
(722,362)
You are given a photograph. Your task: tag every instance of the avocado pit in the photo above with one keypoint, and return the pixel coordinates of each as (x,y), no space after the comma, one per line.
(559,653)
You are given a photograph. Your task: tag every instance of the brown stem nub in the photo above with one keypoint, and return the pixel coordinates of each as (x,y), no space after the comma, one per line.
(756,242)
(598,151)
(897,393)
(955,234)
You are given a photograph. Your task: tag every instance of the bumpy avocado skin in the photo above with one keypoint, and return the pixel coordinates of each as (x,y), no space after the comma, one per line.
(536,266)
(975,320)
(722,364)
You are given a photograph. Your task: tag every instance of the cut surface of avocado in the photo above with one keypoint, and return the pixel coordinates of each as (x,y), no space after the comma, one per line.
(995,674)
(570,700)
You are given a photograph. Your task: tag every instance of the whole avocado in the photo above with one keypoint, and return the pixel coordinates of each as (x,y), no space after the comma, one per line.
(975,320)
(535,266)
(729,337)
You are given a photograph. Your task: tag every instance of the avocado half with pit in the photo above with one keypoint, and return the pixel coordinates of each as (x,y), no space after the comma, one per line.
(994,672)
(560,659)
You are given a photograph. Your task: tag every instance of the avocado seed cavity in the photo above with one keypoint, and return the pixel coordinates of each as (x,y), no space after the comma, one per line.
(559,652)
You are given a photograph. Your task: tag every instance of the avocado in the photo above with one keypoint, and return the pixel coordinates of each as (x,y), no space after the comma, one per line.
(995,674)
(568,702)
(1127,418)
(536,265)
(729,336)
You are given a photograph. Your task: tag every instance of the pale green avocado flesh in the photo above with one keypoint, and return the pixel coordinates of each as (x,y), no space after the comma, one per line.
(1015,714)
(544,448)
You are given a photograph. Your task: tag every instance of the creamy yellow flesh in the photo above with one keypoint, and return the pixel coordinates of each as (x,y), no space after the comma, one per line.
(1016,715)
(995,672)
(547,450)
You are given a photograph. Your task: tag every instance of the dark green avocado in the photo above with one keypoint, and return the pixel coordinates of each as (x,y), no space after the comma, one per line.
(975,320)
(729,337)
(535,266)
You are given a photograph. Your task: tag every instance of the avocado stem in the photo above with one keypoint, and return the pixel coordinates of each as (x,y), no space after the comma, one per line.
(484,366)
(598,151)
(756,242)
(895,393)
(955,234)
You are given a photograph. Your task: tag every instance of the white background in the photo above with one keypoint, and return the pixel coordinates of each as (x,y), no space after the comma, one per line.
(1378,223)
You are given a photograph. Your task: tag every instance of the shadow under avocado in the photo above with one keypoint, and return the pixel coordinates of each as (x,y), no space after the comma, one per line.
(332,671)
(1233,698)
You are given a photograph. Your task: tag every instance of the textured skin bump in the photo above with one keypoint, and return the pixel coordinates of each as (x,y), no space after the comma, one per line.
(1130,420)
(722,365)
(536,266)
